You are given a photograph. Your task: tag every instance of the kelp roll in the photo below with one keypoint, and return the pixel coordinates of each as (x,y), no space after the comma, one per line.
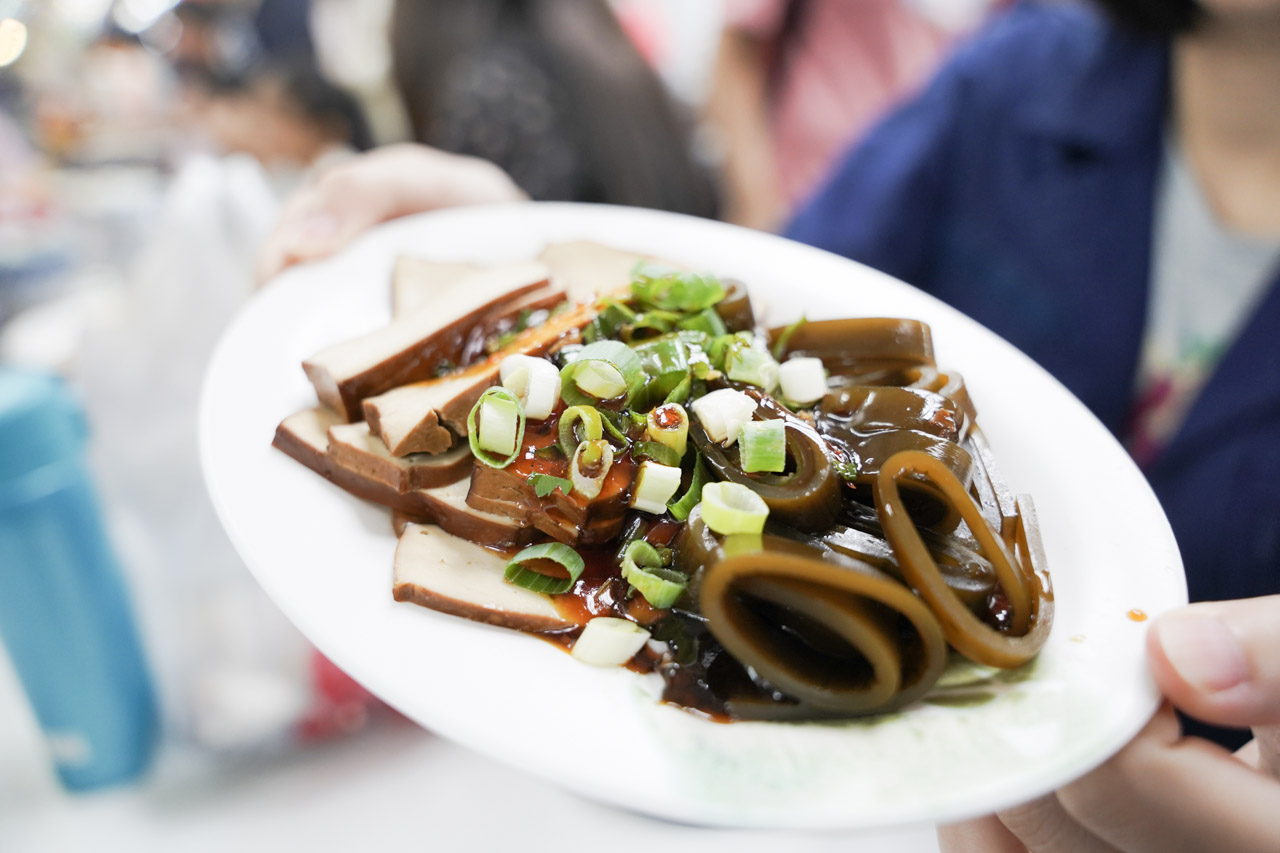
(1027,591)
(859,345)
(806,495)
(833,634)
(873,423)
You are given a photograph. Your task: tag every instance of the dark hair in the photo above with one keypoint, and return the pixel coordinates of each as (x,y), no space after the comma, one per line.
(1161,17)
(633,146)
(325,103)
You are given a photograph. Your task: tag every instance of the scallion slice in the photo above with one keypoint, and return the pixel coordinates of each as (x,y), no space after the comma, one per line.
(604,370)
(722,412)
(655,485)
(681,508)
(616,425)
(534,381)
(803,380)
(707,321)
(729,508)
(762,446)
(579,424)
(669,424)
(659,453)
(520,574)
(591,463)
(744,363)
(495,427)
(675,291)
(642,568)
(609,641)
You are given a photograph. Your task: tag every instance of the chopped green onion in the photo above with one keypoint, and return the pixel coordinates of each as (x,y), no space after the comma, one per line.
(609,641)
(616,424)
(722,412)
(591,463)
(655,485)
(701,476)
(613,317)
(762,446)
(780,345)
(666,366)
(642,568)
(603,370)
(744,363)
(545,484)
(659,453)
(578,424)
(655,322)
(733,508)
(534,381)
(718,348)
(675,291)
(600,380)
(681,392)
(706,320)
(495,427)
(803,380)
(669,424)
(520,574)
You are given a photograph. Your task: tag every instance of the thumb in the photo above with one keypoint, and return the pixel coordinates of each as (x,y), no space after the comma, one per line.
(1220,661)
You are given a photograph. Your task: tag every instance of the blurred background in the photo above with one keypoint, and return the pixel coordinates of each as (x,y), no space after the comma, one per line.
(146,147)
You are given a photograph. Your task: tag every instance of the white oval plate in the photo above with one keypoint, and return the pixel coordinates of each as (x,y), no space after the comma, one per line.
(326,558)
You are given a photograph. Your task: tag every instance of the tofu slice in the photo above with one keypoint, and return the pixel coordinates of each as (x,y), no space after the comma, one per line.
(426,417)
(586,269)
(454,576)
(447,506)
(416,281)
(304,436)
(412,347)
(353,447)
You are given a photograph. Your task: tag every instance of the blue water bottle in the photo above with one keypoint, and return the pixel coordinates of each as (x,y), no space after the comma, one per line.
(64,613)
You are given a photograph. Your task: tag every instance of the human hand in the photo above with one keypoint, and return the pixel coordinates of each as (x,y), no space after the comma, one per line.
(1219,662)
(346,200)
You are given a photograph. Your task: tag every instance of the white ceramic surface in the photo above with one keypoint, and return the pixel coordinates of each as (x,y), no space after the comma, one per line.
(326,557)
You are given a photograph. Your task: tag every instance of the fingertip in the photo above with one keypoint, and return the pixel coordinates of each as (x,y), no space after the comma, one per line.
(1217,662)
(982,835)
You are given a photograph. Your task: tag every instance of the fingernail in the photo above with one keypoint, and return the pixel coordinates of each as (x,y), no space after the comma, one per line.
(1204,652)
(314,229)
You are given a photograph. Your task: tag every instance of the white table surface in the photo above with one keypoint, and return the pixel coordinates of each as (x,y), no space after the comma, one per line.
(395,787)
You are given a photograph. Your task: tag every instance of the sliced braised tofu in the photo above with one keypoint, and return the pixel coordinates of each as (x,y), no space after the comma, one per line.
(304,436)
(447,506)
(416,346)
(425,417)
(585,269)
(415,282)
(451,575)
(353,447)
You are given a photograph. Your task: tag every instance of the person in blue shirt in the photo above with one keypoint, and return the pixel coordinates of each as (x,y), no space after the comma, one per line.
(1103,190)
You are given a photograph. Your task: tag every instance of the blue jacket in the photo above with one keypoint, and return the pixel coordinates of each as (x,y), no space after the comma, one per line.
(1020,187)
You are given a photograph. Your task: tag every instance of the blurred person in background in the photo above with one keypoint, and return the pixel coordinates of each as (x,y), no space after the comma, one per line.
(542,99)
(288,117)
(552,92)
(797,81)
